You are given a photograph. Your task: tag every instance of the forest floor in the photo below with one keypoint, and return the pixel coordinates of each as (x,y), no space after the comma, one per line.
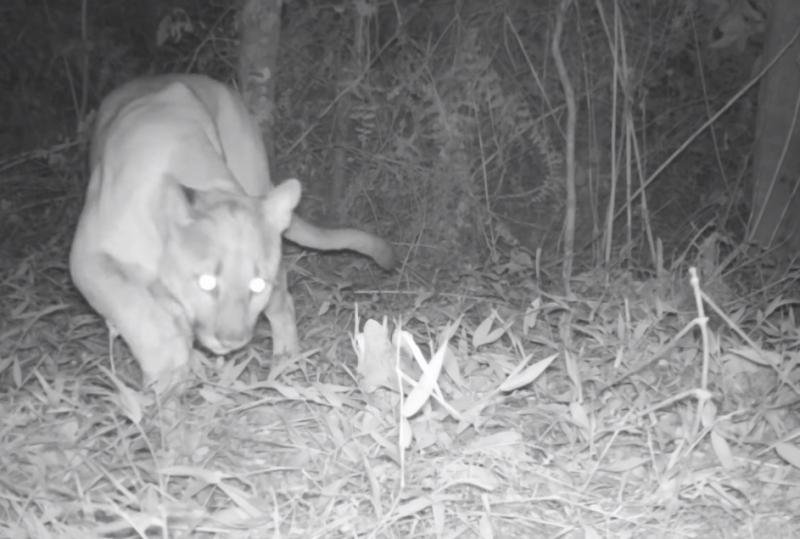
(614,412)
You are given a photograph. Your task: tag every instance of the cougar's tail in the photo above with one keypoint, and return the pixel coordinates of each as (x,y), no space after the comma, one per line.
(305,234)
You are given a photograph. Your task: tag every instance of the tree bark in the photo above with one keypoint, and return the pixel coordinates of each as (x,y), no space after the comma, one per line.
(260,21)
(775,213)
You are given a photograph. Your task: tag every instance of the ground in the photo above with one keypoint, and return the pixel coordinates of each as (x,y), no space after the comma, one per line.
(641,401)
(524,425)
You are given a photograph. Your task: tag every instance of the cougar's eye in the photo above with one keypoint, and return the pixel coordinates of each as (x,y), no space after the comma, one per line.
(207,282)
(258,285)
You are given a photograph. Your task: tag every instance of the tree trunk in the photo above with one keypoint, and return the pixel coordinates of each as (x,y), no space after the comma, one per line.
(260,21)
(776,198)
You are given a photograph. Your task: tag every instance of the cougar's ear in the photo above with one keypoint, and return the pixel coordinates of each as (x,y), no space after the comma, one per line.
(280,203)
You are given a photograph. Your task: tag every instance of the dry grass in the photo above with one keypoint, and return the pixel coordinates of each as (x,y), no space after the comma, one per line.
(614,411)
(254,449)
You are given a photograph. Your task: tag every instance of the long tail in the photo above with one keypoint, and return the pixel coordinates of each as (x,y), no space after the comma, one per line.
(305,234)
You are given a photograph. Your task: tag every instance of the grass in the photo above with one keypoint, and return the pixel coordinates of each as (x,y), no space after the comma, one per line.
(491,443)
(639,405)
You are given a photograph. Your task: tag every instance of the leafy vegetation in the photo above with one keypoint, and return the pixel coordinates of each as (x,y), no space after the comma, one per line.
(656,396)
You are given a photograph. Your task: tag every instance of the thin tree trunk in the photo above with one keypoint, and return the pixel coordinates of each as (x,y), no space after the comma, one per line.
(260,21)
(775,213)
(336,184)
(350,67)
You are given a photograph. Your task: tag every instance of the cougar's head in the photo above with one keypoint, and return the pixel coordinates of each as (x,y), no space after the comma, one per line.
(222,258)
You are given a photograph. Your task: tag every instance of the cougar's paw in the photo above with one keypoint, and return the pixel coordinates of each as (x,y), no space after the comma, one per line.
(169,364)
(284,329)
(285,343)
(174,380)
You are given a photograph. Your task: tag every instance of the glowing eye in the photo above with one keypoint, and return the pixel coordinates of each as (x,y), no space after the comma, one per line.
(207,282)
(258,285)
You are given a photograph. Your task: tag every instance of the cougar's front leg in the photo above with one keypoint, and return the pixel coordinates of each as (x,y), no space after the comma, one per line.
(147,317)
(280,313)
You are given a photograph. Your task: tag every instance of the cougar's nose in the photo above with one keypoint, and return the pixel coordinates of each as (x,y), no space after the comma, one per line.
(228,341)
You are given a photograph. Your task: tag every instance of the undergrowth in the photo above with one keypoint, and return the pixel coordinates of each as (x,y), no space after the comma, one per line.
(470,394)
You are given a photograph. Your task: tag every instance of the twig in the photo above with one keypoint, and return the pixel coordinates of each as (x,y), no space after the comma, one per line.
(569,97)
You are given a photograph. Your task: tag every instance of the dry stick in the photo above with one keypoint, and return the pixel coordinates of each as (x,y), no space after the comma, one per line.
(592,171)
(789,138)
(531,68)
(701,394)
(627,129)
(71,89)
(569,97)
(731,324)
(790,198)
(630,132)
(658,355)
(401,424)
(702,322)
(609,225)
(737,186)
(667,347)
(85,81)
